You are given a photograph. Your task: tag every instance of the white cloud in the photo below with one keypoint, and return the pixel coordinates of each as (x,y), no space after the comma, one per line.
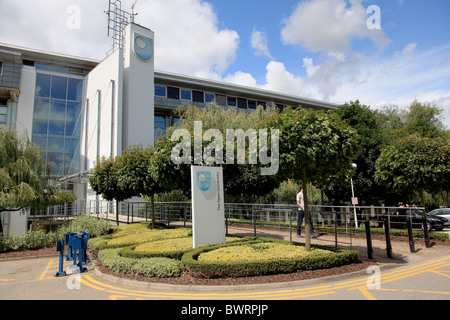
(43,25)
(259,43)
(188,38)
(329,25)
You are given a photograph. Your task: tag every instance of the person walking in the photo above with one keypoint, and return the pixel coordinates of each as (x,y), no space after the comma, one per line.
(301,213)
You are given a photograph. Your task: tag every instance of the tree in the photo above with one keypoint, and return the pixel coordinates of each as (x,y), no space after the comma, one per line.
(314,146)
(238,178)
(365,121)
(415,164)
(24,181)
(135,173)
(104,179)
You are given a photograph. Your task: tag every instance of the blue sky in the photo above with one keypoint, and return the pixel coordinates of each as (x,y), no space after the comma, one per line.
(319,49)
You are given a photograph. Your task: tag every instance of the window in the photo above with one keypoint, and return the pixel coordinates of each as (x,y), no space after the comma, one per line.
(263,104)
(160,126)
(231,102)
(198,96)
(56,121)
(210,97)
(252,104)
(173,93)
(3,115)
(242,103)
(221,100)
(1,68)
(160,91)
(186,94)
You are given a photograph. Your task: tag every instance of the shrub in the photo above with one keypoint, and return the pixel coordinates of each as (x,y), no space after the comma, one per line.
(147,236)
(8,243)
(170,248)
(211,265)
(31,240)
(95,227)
(151,267)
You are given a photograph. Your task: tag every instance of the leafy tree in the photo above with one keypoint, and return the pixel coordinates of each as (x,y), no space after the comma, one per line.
(241,180)
(415,164)
(135,173)
(424,119)
(24,182)
(104,179)
(365,121)
(314,147)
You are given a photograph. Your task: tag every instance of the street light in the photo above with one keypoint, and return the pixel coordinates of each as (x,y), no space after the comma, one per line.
(354,199)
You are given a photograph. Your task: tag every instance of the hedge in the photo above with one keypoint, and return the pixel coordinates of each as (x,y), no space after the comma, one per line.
(151,267)
(326,258)
(170,248)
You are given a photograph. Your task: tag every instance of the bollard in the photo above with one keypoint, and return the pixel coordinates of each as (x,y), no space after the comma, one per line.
(410,235)
(60,249)
(369,240)
(387,232)
(425,232)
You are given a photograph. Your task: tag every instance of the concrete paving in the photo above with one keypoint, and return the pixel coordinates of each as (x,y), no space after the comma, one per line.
(422,274)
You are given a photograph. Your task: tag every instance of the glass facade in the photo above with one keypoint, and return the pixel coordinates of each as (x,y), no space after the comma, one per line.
(57,121)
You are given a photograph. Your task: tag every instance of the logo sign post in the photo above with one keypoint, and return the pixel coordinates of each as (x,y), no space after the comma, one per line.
(208,213)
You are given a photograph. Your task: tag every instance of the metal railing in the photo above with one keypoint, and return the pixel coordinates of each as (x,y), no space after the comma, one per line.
(274,215)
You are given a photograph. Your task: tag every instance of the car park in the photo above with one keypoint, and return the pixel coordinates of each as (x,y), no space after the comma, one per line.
(398,218)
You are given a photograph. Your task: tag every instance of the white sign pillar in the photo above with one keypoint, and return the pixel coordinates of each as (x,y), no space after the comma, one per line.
(208,212)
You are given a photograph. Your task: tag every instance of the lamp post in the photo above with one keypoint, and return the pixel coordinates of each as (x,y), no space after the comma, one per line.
(353,198)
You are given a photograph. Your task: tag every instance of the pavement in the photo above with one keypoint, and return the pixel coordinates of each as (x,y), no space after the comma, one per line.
(422,274)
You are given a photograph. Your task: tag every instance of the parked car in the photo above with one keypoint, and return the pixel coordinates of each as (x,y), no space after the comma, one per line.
(442,212)
(398,218)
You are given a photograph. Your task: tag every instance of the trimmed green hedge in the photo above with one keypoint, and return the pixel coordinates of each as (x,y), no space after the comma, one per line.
(165,253)
(170,248)
(325,258)
(151,267)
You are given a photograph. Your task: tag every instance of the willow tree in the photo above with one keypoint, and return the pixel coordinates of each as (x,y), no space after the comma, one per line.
(24,181)
(314,147)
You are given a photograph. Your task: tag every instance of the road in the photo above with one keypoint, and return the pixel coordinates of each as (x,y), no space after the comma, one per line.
(35,279)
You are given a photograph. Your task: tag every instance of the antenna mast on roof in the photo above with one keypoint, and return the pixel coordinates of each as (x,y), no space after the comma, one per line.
(118,19)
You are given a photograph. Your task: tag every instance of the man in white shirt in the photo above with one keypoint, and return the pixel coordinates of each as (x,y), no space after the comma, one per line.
(301,212)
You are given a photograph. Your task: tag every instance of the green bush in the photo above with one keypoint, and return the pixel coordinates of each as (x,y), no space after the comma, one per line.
(95,227)
(169,248)
(150,267)
(147,236)
(8,243)
(32,240)
(318,258)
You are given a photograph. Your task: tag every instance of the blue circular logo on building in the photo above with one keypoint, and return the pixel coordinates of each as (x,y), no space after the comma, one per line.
(143,47)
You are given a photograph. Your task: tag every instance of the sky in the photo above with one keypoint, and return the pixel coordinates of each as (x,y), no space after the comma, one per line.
(380,52)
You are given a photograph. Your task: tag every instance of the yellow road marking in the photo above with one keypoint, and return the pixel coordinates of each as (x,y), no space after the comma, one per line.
(358,284)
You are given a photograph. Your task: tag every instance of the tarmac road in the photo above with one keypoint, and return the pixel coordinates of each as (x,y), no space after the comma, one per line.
(421,275)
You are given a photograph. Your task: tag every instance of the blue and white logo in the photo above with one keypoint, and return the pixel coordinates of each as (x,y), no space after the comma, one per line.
(204,180)
(143,47)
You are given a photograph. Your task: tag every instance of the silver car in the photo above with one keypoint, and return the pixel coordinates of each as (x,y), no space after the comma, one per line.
(442,212)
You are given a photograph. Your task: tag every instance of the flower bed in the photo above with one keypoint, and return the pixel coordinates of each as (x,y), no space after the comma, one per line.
(138,250)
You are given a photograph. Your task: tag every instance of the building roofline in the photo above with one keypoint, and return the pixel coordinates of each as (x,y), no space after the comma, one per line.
(218,85)
(47,56)
(234,89)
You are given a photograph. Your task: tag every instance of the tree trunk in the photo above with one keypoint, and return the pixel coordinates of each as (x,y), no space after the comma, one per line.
(307,216)
(153,211)
(117,213)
